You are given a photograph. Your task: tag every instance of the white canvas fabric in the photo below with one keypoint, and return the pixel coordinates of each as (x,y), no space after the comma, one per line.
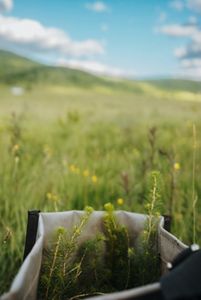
(24,286)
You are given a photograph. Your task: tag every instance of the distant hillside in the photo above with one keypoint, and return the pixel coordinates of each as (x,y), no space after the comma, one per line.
(19,70)
(177,85)
(15,69)
(11,63)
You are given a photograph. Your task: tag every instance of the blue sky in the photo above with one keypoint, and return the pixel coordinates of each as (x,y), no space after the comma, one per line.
(129,38)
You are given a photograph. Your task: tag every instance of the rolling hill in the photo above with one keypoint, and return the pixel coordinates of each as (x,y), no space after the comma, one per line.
(15,69)
(177,85)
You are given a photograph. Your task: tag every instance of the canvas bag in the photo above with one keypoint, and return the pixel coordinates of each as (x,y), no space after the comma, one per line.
(24,286)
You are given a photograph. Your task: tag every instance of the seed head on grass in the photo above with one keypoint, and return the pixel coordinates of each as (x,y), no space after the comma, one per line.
(17,159)
(7,235)
(153,204)
(109,207)
(88,209)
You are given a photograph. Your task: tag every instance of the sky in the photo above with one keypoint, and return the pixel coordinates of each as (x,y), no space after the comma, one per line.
(120,38)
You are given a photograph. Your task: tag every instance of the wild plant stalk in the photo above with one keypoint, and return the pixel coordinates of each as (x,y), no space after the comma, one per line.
(125,183)
(117,246)
(148,258)
(76,233)
(172,187)
(52,267)
(194,195)
(151,205)
(170,156)
(152,142)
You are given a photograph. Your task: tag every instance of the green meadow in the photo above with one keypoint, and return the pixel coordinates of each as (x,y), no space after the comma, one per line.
(70,139)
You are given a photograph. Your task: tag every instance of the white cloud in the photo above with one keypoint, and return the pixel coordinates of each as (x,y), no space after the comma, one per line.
(197,37)
(190,73)
(97,6)
(177,4)
(191,63)
(180,52)
(189,55)
(192,32)
(191,51)
(194,5)
(191,68)
(5,5)
(177,30)
(95,67)
(190,58)
(31,35)
(192,20)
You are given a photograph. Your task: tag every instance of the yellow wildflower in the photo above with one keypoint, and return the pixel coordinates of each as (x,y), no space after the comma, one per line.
(52,197)
(49,196)
(72,168)
(15,149)
(86,173)
(177,166)
(55,198)
(120,201)
(94,179)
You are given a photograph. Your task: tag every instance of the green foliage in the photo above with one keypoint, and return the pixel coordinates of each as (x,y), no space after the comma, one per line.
(57,278)
(117,245)
(102,264)
(148,255)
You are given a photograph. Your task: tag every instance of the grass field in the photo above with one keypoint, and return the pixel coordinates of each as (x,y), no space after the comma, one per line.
(84,140)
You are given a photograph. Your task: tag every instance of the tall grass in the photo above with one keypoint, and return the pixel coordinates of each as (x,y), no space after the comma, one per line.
(194,195)
(104,153)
